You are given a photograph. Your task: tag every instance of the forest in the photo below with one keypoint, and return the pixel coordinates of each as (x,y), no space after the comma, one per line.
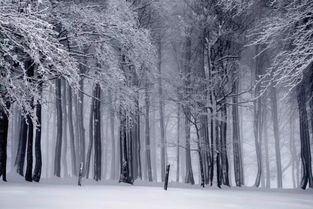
(207,93)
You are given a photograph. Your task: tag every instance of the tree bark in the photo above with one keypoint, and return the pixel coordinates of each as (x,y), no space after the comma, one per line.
(91,133)
(267,157)
(38,157)
(80,122)
(225,165)
(125,175)
(178,144)
(304,138)
(201,163)
(64,140)
(293,154)
(4,126)
(71,131)
(189,173)
(154,147)
(238,165)
(29,160)
(58,146)
(161,111)
(97,134)
(257,109)
(276,136)
(112,128)
(147,131)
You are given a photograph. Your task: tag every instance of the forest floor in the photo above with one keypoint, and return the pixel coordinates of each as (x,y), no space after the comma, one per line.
(64,194)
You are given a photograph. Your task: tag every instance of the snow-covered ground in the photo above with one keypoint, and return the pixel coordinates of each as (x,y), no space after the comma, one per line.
(67,195)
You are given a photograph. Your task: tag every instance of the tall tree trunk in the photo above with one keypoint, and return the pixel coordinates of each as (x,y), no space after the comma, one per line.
(276,136)
(71,131)
(4,127)
(48,142)
(77,131)
(38,157)
(15,134)
(218,146)
(238,165)
(257,109)
(267,158)
(135,131)
(293,154)
(154,147)
(311,102)
(58,146)
(189,173)
(147,131)
(91,132)
(64,140)
(80,122)
(112,128)
(212,148)
(97,135)
(178,144)
(257,125)
(187,80)
(225,165)
(304,138)
(161,111)
(125,175)
(201,163)
(29,160)
(21,151)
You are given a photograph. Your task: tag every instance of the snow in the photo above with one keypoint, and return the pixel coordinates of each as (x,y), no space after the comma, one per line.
(110,195)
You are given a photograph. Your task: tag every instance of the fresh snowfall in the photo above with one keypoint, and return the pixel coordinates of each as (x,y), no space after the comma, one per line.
(156,104)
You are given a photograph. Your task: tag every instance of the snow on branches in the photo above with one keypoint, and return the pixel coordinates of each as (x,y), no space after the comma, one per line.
(39,45)
(290,33)
(107,36)
(29,43)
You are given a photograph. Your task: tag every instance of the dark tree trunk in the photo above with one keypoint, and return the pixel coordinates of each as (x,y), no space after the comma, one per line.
(304,138)
(189,173)
(91,133)
(80,123)
(21,151)
(58,146)
(187,81)
(212,150)
(218,170)
(224,157)
(38,165)
(125,175)
(4,125)
(97,134)
(30,134)
(200,144)
(137,140)
(77,130)
(206,152)
(166,177)
(218,143)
